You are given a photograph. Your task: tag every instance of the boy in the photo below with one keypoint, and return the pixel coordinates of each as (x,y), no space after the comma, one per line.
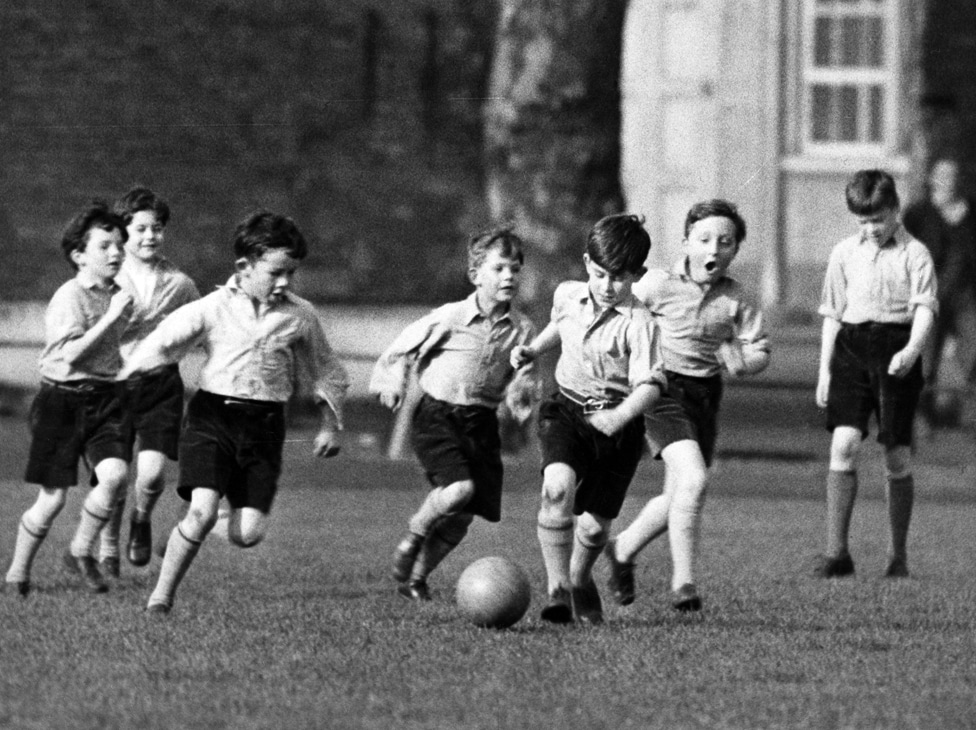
(155,399)
(706,320)
(879,307)
(591,431)
(77,411)
(462,351)
(259,339)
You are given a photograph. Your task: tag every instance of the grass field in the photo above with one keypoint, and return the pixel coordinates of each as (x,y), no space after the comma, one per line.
(305,630)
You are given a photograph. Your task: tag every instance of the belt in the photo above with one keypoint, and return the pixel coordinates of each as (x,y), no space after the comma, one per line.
(82,386)
(864,326)
(590,404)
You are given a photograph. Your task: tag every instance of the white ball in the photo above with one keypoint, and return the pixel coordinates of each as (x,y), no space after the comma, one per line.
(493,593)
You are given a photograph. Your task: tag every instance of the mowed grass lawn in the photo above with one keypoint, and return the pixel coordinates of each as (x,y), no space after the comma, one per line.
(305,630)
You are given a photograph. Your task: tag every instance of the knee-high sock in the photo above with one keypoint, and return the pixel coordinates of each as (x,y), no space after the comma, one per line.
(29,539)
(109,537)
(556,542)
(446,535)
(650,524)
(900,493)
(94,517)
(584,556)
(684,524)
(440,501)
(180,551)
(841,493)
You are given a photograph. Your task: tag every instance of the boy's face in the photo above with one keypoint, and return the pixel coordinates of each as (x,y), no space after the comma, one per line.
(267,277)
(145,236)
(878,227)
(102,256)
(607,289)
(496,279)
(710,246)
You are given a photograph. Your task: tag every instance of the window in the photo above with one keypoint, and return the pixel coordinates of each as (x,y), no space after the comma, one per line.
(849,75)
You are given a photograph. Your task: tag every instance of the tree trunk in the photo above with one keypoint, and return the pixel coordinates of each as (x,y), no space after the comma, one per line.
(552,129)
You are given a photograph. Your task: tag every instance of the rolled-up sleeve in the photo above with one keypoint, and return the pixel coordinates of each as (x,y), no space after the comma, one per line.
(646,361)
(392,367)
(319,364)
(924,287)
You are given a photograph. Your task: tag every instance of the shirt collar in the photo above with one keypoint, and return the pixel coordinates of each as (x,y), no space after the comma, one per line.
(625,307)
(472,311)
(680,269)
(899,238)
(91,284)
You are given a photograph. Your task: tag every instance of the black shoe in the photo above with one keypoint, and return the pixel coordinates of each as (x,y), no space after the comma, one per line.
(158,609)
(87,568)
(559,610)
(621,580)
(414,590)
(405,556)
(20,587)
(587,606)
(837,567)
(110,566)
(897,568)
(139,549)
(686,598)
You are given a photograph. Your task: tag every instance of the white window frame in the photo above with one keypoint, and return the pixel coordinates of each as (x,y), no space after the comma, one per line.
(887,76)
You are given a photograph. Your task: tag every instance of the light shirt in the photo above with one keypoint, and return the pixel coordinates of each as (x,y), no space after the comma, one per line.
(469,365)
(73,310)
(870,283)
(259,352)
(605,354)
(171,289)
(695,319)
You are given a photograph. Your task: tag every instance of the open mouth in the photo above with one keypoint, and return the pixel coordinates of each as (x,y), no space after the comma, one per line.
(710,266)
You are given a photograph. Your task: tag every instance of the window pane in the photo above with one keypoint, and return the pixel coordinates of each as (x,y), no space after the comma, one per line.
(821,42)
(833,113)
(876,120)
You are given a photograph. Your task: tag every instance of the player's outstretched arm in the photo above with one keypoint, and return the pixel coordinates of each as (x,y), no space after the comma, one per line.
(543,342)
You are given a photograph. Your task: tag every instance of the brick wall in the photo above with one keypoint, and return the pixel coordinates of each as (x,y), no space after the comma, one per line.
(360,119)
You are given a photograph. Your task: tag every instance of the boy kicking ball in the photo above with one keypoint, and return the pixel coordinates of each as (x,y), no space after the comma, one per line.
(260,339)
(78,412)
(462,352)
(592,429)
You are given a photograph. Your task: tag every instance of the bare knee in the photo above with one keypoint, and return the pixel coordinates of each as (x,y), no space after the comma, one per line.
(557,487)
(689,490)
(591,530)
(198,522)
(247,527)
(898,461)
(844,447)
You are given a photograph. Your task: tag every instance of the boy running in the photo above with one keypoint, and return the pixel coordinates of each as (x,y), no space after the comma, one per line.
(462,352)
(260,340)
(77,412)
(591,430)
(707,320)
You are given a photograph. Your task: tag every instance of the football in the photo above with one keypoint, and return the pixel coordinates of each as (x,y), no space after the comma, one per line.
(493,593)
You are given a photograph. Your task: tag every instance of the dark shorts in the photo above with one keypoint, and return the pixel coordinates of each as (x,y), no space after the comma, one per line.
(232,446)
(604,465)
(156,404)
(860,384)
(688,410)
(69,421)
(457,443)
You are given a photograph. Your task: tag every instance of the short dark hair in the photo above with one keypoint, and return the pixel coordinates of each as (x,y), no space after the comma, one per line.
(508,243)
(871,191)
(262,231)
(716,207)
(141,198)
(96,215)
(619,243)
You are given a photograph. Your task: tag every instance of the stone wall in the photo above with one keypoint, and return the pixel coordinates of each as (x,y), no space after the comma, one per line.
(360,119)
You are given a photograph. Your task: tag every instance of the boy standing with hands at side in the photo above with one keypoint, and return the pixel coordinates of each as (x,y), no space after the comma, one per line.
(77,411)
(260,339)
(155,399)
(462,351)
(591,430)
(879,307)
(706,320)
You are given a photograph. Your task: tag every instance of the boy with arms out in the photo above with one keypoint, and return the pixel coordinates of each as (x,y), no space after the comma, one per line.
(462,351)
(879,306)
(154,399)
(260,339)
(706,320)
(77,411)
(591,430)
